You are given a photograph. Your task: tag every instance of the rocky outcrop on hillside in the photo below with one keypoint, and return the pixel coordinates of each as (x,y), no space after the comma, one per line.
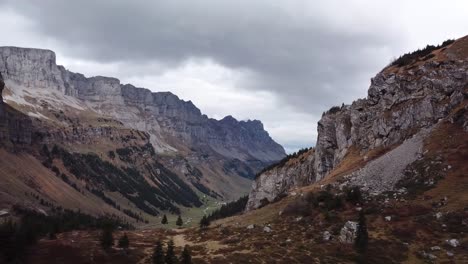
(399,104)
(2,86)
(273,183)
(173,124)
(15,127)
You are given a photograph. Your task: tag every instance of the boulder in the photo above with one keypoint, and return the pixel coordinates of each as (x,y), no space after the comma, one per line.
(453,242)
(348,232)
(326,236)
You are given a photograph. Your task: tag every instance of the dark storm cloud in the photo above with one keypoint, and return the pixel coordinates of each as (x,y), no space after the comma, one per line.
(289,48)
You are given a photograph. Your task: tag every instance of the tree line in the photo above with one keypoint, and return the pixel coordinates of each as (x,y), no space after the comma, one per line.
(17,236)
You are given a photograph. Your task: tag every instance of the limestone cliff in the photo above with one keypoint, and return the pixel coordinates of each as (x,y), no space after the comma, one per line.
(402,102)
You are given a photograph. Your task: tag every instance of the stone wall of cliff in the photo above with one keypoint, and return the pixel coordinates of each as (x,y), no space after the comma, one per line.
(15,127)
(400,103)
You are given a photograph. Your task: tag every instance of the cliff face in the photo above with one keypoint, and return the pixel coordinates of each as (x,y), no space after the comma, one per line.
(173,124)
(275,182)
(15,127)
(401,103)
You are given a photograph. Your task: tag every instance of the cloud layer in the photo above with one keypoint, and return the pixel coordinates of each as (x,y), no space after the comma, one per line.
(283,62)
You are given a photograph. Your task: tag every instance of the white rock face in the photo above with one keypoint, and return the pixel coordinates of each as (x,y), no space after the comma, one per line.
(348,232)
(271,184)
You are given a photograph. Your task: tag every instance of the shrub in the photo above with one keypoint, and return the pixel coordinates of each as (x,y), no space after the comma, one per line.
(107,238)
(354,195)
(124,242)
(411,57)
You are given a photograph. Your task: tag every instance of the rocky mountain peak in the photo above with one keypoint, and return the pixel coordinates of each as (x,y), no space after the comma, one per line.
(404,103)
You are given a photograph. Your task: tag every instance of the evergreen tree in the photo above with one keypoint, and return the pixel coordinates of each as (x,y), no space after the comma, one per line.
(229,209)
(179,221)
(124,242)
(107,239)
(170,257)
(204,222)
(164,220)
(158,254)
(186,257)
(361,236)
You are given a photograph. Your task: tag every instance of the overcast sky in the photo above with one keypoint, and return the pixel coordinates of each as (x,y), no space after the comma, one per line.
(282,62)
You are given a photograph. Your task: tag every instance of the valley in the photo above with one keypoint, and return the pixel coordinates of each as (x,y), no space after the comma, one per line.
(386,181)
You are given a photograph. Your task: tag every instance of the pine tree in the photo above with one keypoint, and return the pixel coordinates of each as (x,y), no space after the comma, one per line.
(179,221)
(164,220)
(124,242)
(170,257)
(158,254)
(204,222)
(186,257)
(361,236)
(107,239)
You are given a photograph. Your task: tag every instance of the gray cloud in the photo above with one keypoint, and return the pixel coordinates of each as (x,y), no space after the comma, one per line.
(304,58)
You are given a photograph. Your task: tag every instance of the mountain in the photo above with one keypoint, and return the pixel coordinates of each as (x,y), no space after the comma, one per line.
(405,104)
(386,183)
(97,145)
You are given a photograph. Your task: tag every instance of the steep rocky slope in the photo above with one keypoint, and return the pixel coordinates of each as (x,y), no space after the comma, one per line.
(403,102)
(137,152)
(15,127)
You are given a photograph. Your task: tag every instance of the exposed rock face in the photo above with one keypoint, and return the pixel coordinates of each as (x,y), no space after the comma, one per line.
(15,127)
(348,232)
(277,181)
(173,124)
(2,86)
(399,105)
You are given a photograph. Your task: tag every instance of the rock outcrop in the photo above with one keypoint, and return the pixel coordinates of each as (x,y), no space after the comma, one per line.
(273,183)
(400,103)
(2,86)
(173,124)
(15,127)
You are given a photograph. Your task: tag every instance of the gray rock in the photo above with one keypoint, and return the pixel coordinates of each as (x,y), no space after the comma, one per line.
(397,107)
(453,242)
(267,229)
(326,236)
(348,232)
(2,86)
(251,226)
